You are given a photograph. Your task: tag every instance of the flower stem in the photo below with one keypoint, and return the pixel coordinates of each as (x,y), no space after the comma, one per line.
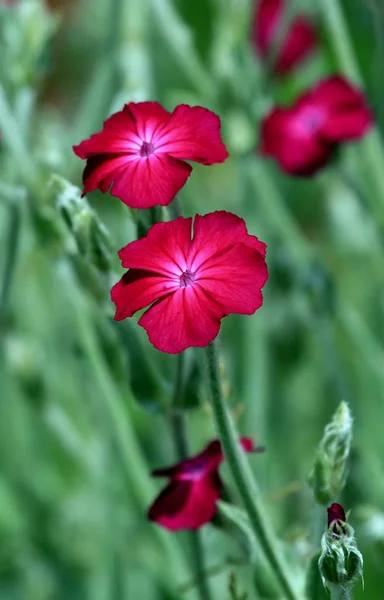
(12,245)
(243,477)
(179,434)
(340,593)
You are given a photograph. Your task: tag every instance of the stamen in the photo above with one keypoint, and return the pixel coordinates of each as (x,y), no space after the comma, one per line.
(187,278)
(147,149)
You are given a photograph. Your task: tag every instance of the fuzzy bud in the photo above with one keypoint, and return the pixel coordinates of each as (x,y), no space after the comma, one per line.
(340,562)
(329,472)
(89,233)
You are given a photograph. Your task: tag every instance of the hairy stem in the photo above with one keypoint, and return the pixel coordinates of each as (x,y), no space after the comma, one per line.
(11,250)
(243,477)
(339,592)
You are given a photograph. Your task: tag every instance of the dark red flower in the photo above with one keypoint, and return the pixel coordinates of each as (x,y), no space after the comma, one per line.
(191,279)
(300,40)
(304,137)
(190,499)
(336,518)
(139,154)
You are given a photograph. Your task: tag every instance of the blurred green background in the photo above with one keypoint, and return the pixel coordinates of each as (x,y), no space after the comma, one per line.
(84,402)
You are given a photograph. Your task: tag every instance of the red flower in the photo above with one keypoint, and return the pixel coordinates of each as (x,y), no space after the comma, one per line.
(303,138)
(191,279)
(336,519)
(189,500)
(299,42)
(139,154)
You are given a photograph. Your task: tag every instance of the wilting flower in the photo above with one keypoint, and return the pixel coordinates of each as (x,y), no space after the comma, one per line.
(191,278)
(298,44)
(139,154)
(190,499)
(304,137)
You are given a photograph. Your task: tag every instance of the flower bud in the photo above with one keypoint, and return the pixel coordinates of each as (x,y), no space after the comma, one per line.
(90,234)
(340,562)
(329,472)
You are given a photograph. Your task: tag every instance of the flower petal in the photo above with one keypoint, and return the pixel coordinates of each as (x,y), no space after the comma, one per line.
(186,504)
(337,92)
(186,318)
(151,181)
(150,118)
(200,464)
(102,169)
(305,156)
(348,125)
(138,289)
(215,232)
(273,128)
(298,45)
(193,133)
(195,466)
(119,134)
(163,250)
(298,150)
(235,278)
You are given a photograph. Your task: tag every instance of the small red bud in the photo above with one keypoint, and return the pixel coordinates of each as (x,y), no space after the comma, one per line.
(336,515)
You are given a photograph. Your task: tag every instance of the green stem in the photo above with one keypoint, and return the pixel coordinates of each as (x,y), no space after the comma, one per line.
(340,593)
(15,142)
(11,252)
(243,477)
(179,434)
(318,524)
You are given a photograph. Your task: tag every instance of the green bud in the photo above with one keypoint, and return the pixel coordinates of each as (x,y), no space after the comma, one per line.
(340,562)
(85,228)
(329,471)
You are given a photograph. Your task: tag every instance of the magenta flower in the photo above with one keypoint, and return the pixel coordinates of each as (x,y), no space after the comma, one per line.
(299,43)
(304,137)
(191,278)
(190,499)
(139,154)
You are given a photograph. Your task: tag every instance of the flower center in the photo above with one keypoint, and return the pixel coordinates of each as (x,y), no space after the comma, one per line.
(187,278)
(147,149)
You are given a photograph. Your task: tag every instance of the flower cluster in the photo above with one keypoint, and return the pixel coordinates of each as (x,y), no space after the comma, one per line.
(190,273)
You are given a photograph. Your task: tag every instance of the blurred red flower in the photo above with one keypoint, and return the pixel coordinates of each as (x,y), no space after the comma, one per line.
(303,137)
(298,44)
(191,279)
(139,154)
(190,499)
(336,517)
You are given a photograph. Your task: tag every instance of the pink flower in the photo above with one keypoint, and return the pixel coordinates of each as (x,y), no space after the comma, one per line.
(191,278)
(300,40)
(139,154)
(304,137)
(190,499)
